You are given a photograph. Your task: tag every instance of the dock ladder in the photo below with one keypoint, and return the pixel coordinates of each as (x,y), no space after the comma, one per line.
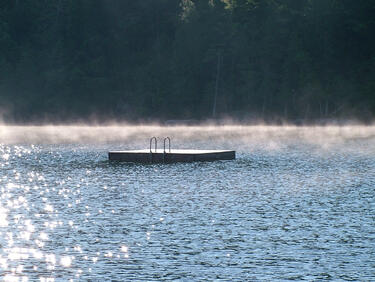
(156,148)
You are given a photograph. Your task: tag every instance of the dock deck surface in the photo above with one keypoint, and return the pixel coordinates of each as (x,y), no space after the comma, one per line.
(175,155)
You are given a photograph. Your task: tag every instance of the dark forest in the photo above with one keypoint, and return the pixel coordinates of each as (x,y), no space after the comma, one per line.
(272,60)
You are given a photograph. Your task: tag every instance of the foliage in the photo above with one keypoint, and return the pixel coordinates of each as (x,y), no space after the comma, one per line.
(65,60)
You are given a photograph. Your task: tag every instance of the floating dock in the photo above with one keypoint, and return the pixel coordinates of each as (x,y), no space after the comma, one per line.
(170,156)
(145,156)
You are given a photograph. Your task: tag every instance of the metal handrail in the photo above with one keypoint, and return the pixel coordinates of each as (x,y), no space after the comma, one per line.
(169,143)
(156,144)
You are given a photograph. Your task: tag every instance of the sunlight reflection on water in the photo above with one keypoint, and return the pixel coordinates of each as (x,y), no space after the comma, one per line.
(296,204)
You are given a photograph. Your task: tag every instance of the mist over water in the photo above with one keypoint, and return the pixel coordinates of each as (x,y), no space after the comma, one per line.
(297,203)
(238,135)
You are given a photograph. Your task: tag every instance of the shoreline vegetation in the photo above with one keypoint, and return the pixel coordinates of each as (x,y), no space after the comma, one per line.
(227,121)
(209,123)
(187,62)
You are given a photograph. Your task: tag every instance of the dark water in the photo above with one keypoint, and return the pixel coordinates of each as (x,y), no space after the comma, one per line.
(297,204)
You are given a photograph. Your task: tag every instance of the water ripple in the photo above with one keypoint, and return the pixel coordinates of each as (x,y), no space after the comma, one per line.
(288,211)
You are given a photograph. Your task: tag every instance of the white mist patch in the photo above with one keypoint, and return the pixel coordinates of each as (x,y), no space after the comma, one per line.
(236,137)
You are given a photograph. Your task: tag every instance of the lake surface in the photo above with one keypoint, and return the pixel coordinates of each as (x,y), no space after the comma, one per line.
(298,203)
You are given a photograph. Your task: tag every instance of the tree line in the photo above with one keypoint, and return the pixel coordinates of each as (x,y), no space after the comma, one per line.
(69,60)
